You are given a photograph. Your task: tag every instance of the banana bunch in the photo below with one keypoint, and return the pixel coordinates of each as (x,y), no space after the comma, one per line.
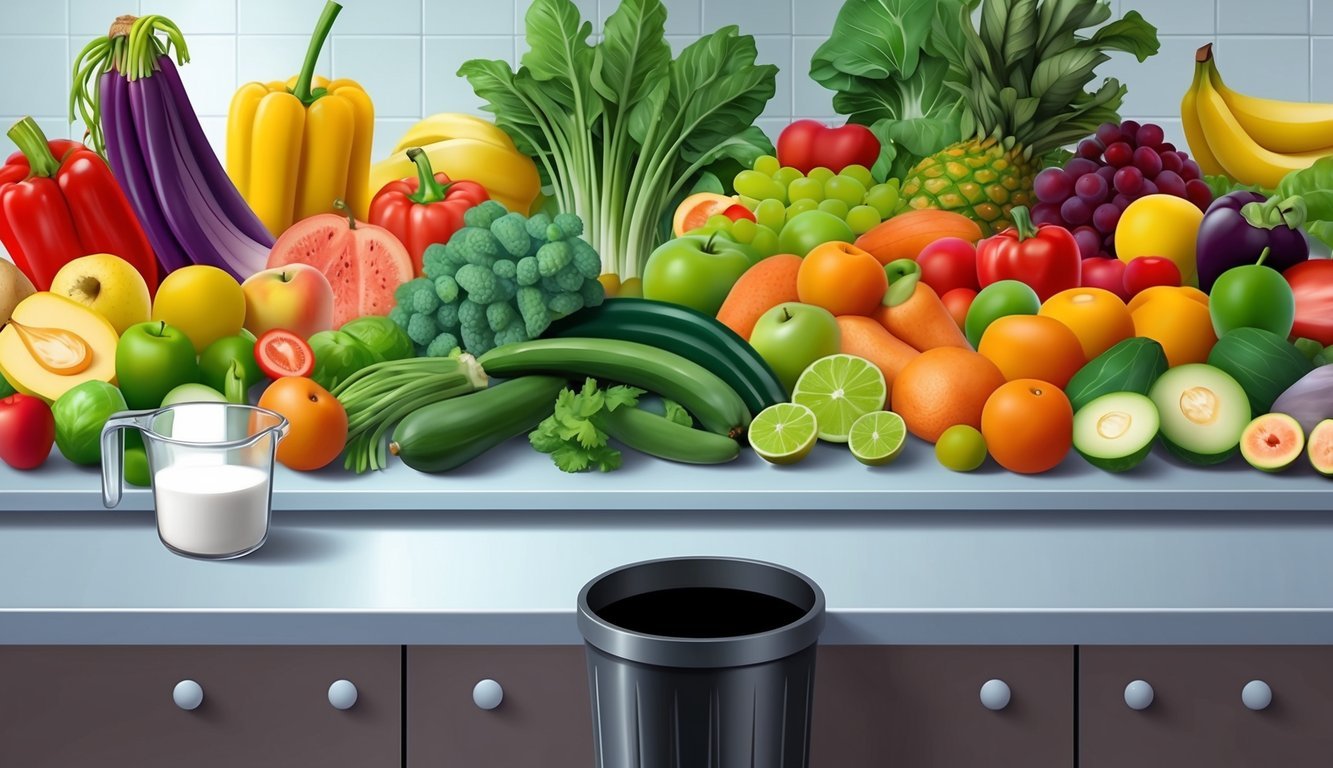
(1252,140)
(465,148)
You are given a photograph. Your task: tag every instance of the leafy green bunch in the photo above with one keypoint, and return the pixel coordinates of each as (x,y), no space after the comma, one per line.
(573,436)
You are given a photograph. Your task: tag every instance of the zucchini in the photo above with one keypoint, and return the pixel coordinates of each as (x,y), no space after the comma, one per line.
(659,436)
(448,434)
(690,334)
(715,404)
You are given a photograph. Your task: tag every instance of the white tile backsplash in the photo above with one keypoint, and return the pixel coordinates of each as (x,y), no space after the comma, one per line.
(92,18)
(380,17)
(1283,74)
(444,55)
(1266,17)
(389,68)
(266,58)
(469,17)
(194,17)
(210,75)
(42,17)
(278,17)
(37,79)
(754,17)
(1179,17)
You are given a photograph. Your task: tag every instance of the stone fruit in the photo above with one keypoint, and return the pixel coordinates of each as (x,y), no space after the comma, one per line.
(1203,412)
(809,230)
(1115,432)
(152,359)
(1157,291)
(1104,273)
(203,302)
(696,271)
(841,278)
(1179,323)
(1028,425)
(791,336)
(1321,447)
(296,298)
(1271,442)
(108,285)
(1098,318)
(1252,296)
(943,387)
(958,302)
(961,448)
(318,422)
(949,263)
(1033,347)
(1160,225)
(14,287)
(53,344)
(1148,271)
(999,299)
(27,431)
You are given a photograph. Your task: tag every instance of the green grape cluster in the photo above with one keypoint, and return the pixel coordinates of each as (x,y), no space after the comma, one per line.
(778,194)
(763,239)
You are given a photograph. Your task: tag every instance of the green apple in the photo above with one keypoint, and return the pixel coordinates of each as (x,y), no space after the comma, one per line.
(1252,296)
(791,336)
(807,231)
(696,271)
(152,359)
(1001,298)
(228,365)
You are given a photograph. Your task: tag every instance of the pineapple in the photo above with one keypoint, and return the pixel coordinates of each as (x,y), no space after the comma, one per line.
(1022,78)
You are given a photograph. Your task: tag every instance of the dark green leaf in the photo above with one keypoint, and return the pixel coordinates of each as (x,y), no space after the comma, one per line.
(559,56)
(633,52)
(1131,34)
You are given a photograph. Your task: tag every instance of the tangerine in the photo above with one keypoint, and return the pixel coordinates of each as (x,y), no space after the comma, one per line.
(1028,425)
(1097,317)
(1183,327)
(841,278)
(1033,347)
(942,387)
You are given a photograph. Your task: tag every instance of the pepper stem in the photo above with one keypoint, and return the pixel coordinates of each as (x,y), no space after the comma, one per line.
(302,90)
(1263,256)
(1022,223)
(429,189)
(28,137)
(342,208)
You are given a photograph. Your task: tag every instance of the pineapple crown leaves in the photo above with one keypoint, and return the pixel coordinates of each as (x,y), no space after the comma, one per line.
(1024,69)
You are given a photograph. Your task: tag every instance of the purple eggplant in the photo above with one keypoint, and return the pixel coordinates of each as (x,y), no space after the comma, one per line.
(1238,227)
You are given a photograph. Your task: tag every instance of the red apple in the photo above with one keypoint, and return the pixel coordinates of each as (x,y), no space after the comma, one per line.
(296,298)
(1145,272)
(1099,272)
(949,263)
(27,431)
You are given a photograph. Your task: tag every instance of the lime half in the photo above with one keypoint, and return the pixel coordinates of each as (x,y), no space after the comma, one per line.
(877,437)
(783,433)
(840,389)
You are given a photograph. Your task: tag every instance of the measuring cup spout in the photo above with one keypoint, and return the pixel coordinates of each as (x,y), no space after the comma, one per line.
(111,451)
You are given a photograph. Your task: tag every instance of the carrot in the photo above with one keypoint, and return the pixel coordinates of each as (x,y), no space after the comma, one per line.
(765,285)
(863,337)
(922,321)
(904,235)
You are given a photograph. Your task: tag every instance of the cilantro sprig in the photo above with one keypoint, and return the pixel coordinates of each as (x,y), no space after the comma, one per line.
(571,434)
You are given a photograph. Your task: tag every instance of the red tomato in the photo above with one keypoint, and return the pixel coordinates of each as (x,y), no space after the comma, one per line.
(949,263)
(958,302)
(809,144)
(27,430)
(283,353)
(1147,271)
(1100,272)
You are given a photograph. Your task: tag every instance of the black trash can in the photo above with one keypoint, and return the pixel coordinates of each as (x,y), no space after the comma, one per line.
(701,661)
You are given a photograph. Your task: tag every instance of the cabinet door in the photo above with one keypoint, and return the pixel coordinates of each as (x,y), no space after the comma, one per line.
(1197,716)
(69,706)
(921,706)
(544,718)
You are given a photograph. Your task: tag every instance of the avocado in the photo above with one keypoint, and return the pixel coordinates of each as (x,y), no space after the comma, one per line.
(1115,432)
(1203,411)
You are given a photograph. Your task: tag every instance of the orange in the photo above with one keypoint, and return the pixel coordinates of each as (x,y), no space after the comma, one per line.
(1182,326)
(841,278)
(942,387)
(1028,425)
(1033,347)
(318,422)
(1149,294)
(693,211)
(765,285)
(1097,317)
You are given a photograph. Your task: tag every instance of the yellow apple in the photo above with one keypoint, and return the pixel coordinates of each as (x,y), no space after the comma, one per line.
(203,302)
(108,285)
(296,298)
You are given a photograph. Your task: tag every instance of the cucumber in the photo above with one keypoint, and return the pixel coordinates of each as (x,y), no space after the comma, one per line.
(690,334)
(715,404)
(661,437)
(448,434)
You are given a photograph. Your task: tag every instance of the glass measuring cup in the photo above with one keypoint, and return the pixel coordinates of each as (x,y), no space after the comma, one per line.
(211,466)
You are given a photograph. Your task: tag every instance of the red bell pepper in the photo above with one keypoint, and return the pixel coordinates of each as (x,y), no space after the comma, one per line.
(59,201)
(1312,286)
(426,210)
(1047,257)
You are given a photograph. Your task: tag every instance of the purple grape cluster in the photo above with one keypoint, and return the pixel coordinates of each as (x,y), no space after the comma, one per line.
(1116,166)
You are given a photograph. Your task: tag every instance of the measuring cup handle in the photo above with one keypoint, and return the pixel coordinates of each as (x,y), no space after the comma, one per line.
(112,452)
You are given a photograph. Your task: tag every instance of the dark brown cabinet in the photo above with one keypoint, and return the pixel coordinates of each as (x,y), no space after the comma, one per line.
(921,706)
(265,707)
(1197,715)
(544,718)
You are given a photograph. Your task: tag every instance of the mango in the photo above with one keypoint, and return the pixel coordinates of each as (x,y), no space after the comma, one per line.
(47,310)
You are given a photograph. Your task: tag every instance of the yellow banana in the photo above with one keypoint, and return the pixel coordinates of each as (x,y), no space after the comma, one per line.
(452,125)
(1281,126)
(509,176)
(1242,158)
(1189,118)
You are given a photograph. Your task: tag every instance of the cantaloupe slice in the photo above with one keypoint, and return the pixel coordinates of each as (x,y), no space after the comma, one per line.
(48,310)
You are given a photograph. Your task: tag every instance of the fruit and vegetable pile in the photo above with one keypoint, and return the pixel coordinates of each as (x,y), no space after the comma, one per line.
(986,256)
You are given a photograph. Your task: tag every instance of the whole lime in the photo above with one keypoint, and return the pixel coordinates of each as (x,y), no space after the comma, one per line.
(961,448)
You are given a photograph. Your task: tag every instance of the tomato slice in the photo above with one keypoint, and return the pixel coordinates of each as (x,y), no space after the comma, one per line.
(283,353)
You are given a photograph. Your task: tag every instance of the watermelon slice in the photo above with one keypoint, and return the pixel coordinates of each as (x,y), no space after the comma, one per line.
(363,263)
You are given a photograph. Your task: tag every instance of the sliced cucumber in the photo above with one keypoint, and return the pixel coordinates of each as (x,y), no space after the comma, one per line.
(1203,410)
(1115,432)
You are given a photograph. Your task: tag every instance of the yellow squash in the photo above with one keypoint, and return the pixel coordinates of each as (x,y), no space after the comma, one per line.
(294,148)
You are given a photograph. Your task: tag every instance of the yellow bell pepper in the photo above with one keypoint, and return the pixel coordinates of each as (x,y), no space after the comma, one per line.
(294,148)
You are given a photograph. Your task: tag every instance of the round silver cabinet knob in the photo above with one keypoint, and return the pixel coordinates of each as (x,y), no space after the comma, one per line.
(1256,695)
(995,695)
(487,694)
(188,695)
(1138,695)
(342,694)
